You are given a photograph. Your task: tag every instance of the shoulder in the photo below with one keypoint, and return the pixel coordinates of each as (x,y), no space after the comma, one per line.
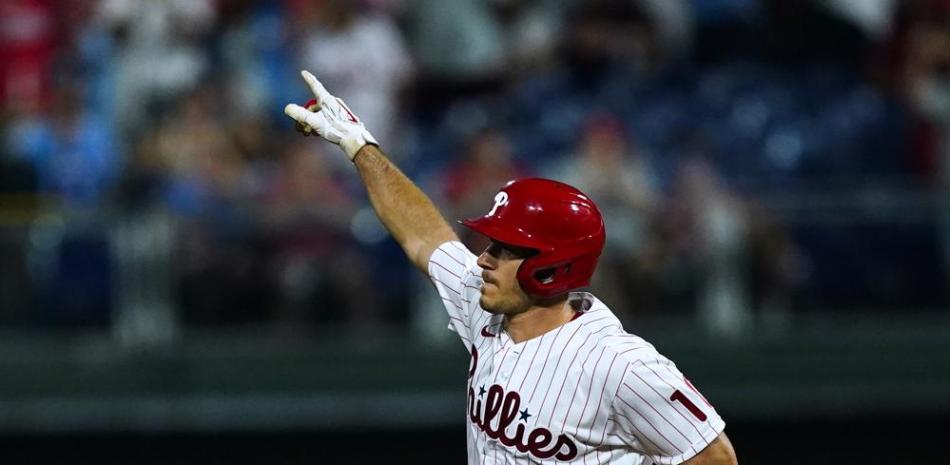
(605,334)
(607,329)
(615,342)
(629,348)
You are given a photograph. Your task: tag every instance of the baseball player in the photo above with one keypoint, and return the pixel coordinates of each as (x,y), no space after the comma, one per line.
(553,377)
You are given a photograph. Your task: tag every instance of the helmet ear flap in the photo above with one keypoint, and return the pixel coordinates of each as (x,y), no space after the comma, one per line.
(544,276)
(547,276)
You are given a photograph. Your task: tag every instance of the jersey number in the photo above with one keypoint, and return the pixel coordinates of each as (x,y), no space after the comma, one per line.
(679,396)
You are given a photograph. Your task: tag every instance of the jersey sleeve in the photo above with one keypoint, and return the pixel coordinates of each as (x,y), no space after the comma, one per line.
(457,278)
(661,415)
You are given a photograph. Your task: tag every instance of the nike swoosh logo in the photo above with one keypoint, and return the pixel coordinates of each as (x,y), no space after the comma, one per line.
(487,333)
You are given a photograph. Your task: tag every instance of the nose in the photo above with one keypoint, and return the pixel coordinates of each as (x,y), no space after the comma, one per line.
(486,261)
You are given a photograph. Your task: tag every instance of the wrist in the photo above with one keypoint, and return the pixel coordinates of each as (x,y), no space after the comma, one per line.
(353,144)
(363,152)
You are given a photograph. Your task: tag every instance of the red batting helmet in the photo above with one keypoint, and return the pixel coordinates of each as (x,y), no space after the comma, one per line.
(559,222)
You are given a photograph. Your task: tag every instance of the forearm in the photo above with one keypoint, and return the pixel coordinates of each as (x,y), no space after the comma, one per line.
(405,211)
(408,214)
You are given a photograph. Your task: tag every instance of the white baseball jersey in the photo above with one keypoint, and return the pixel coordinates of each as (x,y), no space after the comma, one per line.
(586,392)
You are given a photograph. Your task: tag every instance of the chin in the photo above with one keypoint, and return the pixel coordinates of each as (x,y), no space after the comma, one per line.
(488,306)
(503,306)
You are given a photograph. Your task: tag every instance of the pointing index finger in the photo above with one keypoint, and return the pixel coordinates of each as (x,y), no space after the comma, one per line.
(317,88)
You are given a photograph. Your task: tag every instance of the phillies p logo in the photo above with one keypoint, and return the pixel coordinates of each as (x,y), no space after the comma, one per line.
(501,199)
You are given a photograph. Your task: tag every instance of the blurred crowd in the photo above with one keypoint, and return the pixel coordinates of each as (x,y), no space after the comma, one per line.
(752,158)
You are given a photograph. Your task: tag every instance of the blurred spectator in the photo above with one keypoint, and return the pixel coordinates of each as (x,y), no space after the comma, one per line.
(246,39)
(607,167)
(927,81)
(460,50)
(72,152)
(320,272)
(181,100)
(158,54)
(362,58)
(471,182)
(873,17)
(704,242)
(607,36)
(27,40)
(193,150)
(72,155)
(460,40)
(259,45)
(773,267)
(203,179)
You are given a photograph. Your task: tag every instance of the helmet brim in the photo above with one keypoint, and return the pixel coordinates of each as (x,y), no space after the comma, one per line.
(512,236)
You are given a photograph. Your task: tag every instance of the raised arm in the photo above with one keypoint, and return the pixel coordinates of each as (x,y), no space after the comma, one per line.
(408,214)
(404,209)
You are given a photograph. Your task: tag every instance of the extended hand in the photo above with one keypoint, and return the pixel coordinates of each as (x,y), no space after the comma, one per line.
(331,119)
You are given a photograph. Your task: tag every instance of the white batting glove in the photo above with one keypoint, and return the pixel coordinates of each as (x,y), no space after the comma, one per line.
(331,119)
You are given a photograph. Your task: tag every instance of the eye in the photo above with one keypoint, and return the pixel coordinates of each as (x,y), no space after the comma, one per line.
(509,252)
(495,249)
(502,250)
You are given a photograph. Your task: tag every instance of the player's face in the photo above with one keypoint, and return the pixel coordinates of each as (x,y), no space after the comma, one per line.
(501,293)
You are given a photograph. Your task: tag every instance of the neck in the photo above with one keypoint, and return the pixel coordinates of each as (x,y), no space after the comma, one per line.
(538,319)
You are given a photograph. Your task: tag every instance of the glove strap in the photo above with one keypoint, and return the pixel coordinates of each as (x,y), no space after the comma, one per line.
(352,145)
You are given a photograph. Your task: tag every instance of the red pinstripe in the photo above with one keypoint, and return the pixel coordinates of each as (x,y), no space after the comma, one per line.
(589,388)
(633,349)
(484,340)
(445,285)
(485,363)
(588,323)
(643,437)
(460,247)
(567,371)
(545,362)
(447,270)
(536,350)
(614,398)
(555,366)
(482,343)
(460,321)
(628,339)
(648,404)
(502,335)
(686,381)
(462,264)
(517,359)
(501,364)
(592,377)
(571,404)
(459,266)
(693,424)
(446,299)
(482,318)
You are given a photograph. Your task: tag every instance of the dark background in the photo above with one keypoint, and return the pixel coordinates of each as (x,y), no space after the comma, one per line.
(849,440)
(185,279)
